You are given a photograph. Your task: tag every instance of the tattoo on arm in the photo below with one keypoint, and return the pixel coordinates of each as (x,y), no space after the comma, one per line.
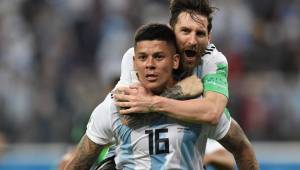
(238,144)
(173,92)
(85,154)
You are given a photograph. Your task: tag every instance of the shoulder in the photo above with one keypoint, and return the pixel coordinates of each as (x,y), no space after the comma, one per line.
(212,55)
(127,67)
(106,107)
(214,61)
(99,126)
(129,53)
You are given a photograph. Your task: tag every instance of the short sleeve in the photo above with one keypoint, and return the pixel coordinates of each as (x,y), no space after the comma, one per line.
(212,146)
(99,127)
(218,131)
(215,72)
(127,67)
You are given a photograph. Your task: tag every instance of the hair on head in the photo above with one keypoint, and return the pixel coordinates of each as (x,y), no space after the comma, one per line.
(193,7)
(155,31)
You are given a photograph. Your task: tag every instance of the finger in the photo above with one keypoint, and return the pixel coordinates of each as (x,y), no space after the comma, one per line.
(119,90)
(134,85)
(121,97)
(122,89)
(123,104)
(128,111)
(130,91)
(137,86)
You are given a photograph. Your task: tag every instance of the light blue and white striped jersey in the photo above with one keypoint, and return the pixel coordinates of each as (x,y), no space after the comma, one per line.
(213,71)
(160,143)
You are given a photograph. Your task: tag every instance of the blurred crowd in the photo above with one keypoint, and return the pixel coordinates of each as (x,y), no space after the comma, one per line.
(59,58)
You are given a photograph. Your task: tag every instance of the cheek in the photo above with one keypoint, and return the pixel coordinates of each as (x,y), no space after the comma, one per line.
(203,41)
(167,73)
(180,40)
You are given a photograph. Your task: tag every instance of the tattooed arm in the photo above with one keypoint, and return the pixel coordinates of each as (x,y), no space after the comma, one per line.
(188,88)
(85,155)
(201,110)
(238,144)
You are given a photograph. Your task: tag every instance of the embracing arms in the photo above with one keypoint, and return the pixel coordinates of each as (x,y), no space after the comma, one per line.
(203,110)
(207,109)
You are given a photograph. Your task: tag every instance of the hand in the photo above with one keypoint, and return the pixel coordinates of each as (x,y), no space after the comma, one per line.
(188,88)
(191,86)
(134,99)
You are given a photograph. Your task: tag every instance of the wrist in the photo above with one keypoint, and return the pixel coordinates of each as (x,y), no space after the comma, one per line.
(158,103)
(153,107)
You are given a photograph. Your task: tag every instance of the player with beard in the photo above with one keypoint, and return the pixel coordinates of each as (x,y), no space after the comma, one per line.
(191,20)
(160,142)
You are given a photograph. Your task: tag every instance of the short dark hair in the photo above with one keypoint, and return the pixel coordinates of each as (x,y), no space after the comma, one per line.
(193,7)
(155,31)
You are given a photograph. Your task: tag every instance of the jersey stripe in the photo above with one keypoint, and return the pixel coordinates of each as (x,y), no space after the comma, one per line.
(188,148)
(157,161)
(126,153)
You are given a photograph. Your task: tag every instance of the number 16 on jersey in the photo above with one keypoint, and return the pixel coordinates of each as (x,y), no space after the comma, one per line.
(157,142)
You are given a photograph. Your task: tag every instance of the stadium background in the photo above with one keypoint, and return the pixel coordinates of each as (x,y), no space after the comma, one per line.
(58,58)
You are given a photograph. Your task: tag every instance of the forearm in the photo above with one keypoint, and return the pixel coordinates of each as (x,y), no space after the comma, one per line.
(85,155)
(245,158)
(238,144)
(194,110)
(207,109)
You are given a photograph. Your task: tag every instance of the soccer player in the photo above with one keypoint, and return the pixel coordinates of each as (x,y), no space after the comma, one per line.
(191,20)
(160,142)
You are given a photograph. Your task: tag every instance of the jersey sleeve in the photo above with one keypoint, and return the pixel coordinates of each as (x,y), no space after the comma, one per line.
(127,68)
(212,146)
(215,72)
(99,127)
(218,131)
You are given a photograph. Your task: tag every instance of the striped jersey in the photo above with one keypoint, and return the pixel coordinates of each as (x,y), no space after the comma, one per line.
(159,143)
(213,72)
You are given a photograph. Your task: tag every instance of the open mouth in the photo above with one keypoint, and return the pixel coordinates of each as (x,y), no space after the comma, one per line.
(151,77)
(190,53)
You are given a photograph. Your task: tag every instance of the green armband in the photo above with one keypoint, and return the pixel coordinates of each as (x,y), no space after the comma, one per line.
(217,82)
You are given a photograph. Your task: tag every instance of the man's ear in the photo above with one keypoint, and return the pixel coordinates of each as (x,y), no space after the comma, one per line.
(209,37)
(176,59)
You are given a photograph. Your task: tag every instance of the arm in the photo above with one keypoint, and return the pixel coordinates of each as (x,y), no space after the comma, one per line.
(201,110)
(85,155)
(238,144)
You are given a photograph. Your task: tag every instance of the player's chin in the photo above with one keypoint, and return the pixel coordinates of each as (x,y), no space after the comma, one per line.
(154,87)
(190,65)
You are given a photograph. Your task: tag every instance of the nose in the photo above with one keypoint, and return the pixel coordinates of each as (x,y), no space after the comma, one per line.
(150,63)
(192,40)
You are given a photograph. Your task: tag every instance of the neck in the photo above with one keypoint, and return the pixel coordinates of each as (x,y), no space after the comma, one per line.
(160,90)
(184,74)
